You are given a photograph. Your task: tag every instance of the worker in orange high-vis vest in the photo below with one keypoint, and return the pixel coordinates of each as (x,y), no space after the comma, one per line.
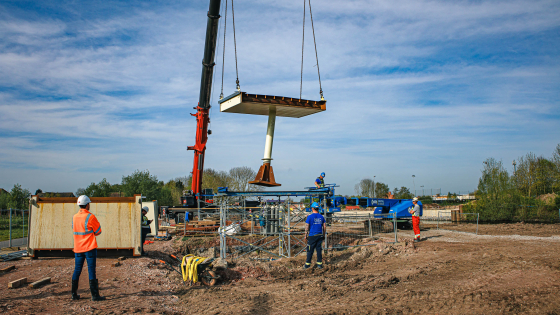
(86,228)
(415,211)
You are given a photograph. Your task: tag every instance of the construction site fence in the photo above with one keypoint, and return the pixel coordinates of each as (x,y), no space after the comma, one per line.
(452,220)
(277,230)
(13,227)
(358,230)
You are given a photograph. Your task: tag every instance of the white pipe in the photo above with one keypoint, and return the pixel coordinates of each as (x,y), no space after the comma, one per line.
(269,134)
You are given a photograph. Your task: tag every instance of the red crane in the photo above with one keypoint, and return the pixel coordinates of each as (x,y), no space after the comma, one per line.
(203,107)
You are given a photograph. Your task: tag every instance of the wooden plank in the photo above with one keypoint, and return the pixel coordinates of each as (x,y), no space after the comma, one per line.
(8,269)
(39,283)
(17,283)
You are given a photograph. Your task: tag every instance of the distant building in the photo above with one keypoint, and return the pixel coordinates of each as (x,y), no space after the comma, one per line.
(3,191)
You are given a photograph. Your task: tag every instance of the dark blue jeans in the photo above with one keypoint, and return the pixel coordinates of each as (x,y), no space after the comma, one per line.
(91,258)
(314,243)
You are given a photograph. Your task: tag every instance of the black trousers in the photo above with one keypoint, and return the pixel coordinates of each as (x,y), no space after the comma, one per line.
(145,233)
(315,242)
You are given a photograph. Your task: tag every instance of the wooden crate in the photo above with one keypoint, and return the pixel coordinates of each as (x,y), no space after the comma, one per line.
(50,224)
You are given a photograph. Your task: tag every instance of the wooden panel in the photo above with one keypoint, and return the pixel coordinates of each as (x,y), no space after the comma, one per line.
(51,223)
(244,103)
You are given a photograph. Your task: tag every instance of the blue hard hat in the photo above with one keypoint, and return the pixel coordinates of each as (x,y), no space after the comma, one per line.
(314,205)
(323,174)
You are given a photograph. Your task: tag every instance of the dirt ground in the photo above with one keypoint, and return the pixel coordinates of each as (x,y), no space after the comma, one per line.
(510,269)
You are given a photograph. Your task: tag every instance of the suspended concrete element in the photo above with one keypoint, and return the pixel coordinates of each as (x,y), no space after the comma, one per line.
(254,104)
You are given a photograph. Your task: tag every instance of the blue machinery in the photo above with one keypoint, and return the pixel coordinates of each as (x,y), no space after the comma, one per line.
(330,203)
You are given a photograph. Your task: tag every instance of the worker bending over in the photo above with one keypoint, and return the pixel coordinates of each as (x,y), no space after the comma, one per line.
(145,227)
(86,228)
(415,219)
(320,181)
(315,231)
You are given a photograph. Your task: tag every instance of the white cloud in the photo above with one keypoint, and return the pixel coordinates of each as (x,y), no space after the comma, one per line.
(126,83)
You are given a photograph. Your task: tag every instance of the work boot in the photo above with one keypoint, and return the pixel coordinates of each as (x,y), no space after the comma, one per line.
(416,240)
(319,266)
(94,288)
(75,295)
(306,266)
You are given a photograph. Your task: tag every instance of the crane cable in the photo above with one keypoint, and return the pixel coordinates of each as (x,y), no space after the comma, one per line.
(234,47)
(302,45)
(224,54)
(316,55)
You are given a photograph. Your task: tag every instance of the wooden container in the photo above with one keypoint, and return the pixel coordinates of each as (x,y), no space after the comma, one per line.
(50,226)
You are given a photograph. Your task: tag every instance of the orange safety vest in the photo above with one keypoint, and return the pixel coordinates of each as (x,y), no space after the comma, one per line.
(86,228)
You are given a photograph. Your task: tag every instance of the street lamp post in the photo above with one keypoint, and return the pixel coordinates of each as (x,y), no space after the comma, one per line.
(374,187)
(413,184)
(422,189)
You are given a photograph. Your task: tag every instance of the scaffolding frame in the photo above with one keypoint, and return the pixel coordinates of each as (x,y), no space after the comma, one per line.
(285,221)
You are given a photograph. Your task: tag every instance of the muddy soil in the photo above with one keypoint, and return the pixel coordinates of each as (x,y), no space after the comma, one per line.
(447,273)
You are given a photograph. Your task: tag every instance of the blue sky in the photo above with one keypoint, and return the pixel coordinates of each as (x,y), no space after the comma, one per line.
(97,89)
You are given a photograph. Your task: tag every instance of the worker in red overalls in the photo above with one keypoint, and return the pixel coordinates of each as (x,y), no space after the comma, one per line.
(415,219)
(86,228)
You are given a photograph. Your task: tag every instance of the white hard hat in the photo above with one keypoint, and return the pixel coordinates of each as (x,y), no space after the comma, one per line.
(83,200)
(415,199)
(146,209)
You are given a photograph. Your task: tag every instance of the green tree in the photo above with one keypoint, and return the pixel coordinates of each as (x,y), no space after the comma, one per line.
(175,189)
(141,182)
(5,200)
(102,189)
(381,190)
(213,179)
(403,193)
(18,198)
(166,197)
(426,200)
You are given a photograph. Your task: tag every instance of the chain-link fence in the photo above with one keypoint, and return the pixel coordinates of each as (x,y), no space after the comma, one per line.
(452,220)
(13,227)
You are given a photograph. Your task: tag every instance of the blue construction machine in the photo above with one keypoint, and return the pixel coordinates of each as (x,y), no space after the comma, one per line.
(383,208)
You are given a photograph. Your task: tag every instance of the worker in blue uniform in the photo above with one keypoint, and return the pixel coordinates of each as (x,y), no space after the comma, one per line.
(320,181)
(315,232)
